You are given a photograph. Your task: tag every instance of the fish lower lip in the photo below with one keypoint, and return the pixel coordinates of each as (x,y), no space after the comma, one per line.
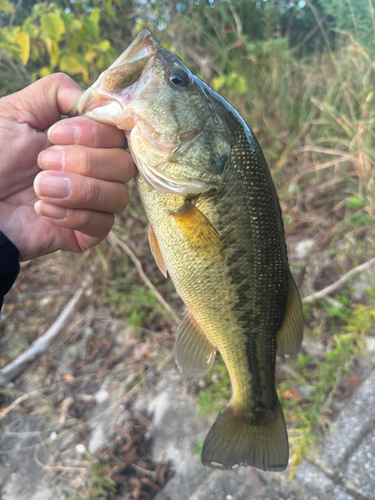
(105,103)
(103,109)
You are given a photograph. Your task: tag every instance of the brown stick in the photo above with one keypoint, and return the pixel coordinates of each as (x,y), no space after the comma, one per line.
(13,369)
(143,276)
(328,289)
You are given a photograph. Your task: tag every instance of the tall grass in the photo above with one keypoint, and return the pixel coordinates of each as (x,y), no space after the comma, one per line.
(314,116)
(342,136)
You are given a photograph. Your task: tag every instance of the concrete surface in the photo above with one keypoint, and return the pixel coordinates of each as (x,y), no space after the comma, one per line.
(344,470)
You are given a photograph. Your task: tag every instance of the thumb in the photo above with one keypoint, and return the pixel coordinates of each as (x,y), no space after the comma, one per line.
(42,103)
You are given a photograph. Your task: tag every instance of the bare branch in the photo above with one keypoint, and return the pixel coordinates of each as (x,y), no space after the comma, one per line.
(237,20)
(42,344)
(143,276)
(328,289)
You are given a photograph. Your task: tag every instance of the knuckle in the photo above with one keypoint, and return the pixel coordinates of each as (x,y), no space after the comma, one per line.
(96,223)
(86,218)
(77,160)
(92,194)
(84,159)
(96,135)
(123,199)
(59,79)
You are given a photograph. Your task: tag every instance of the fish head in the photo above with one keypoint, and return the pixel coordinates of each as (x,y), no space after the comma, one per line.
(175,127)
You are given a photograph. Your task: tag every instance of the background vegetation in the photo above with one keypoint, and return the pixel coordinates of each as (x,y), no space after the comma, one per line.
(302,75)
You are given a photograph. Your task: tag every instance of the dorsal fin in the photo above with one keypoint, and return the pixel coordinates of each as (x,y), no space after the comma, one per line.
(289,336)
(155,250)
(194,353)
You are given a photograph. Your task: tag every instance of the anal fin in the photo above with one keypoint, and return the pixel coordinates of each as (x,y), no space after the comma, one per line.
(289,336)
(200,233)
(155,250)
(194,353)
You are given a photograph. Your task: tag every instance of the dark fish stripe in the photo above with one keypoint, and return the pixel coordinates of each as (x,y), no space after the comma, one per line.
(258,271)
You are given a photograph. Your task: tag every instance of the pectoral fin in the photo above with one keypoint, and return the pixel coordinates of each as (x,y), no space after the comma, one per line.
(289,336)
(194,353)
(202,236)
(155,250)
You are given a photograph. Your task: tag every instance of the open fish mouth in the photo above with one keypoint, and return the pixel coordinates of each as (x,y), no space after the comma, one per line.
(108,98)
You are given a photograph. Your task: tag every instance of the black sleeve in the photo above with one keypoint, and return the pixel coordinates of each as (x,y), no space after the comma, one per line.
(9,265)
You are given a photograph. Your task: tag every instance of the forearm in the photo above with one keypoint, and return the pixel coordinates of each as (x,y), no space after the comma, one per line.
(9,265)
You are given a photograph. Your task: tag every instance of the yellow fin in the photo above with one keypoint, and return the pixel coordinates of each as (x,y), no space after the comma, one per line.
(234,440)
(202,236)
(155,250)
(194,352)
(289,337)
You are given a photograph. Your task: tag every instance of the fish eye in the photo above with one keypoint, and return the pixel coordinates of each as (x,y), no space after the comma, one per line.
(178,78)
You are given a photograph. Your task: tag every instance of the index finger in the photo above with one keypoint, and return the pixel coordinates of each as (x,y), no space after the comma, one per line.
(86,132)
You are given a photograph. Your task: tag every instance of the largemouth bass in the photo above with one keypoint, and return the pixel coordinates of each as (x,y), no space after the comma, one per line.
(216,228)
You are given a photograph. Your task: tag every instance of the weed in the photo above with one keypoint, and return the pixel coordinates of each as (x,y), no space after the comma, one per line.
(134,303)
(198,446)
(324,377)
(217,392)
(101,483)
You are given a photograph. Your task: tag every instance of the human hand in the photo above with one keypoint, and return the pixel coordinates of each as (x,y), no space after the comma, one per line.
(84,167)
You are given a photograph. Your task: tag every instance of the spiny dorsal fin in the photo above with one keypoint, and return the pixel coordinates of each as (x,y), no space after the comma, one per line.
(234,440)
(155,250)
(194,352)
(289,336)
(200,233)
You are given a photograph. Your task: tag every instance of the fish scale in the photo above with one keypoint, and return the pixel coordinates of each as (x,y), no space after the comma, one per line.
(248,265)
(216,229)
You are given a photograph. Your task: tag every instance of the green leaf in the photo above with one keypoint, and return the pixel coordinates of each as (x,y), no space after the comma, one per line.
(74,65)
(76,25)
(67,19)
(239,86)
(104,45)
(218,82)
(90,56)
(45,72)
(53,26)
(23,41)
(355,202)
(92,23)
(6,7)
(95,16)
(53,50)
(70,64)
(91,27)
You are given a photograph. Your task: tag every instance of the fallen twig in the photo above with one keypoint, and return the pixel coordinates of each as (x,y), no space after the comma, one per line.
(328,289)
(143,276)
(13,369)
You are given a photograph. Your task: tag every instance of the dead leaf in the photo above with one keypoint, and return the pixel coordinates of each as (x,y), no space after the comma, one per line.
(291,394)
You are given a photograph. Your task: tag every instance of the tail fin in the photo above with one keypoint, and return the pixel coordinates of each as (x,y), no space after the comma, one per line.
(234,441)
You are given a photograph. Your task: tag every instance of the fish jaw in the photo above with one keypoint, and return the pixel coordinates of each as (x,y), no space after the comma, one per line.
(109,99)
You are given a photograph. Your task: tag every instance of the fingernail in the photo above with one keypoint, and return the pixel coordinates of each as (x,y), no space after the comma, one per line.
(51,159)
(63,134)
(52,186)
(51,211)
